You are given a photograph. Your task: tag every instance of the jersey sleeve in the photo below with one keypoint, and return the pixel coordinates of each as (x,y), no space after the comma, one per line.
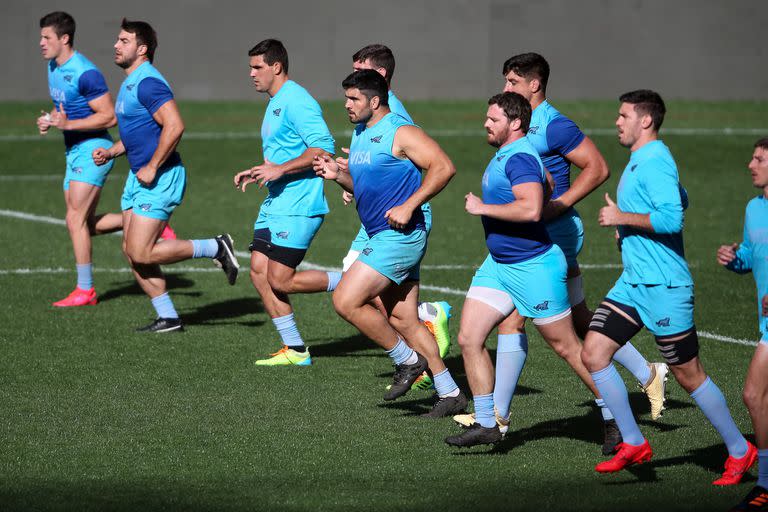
(92,85)
(563,136)
(153,94)
(663,189)
(523,168)
(306,116)
(742,263)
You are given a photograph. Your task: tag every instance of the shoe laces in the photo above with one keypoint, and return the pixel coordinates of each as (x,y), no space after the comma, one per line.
(281,351)
(430,327)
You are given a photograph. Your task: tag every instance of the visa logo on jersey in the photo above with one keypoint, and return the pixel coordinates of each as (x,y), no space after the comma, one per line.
(57,95)
(360,158)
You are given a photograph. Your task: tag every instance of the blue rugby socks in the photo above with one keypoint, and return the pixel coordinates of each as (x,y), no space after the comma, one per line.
(205,248)
(445,385)
(164,306)
(614,393)
(762,468)
(511,353)
(711,401)
(289,332)
(401,353)
(484,413)
(628,357)
(333,280)
(85,276)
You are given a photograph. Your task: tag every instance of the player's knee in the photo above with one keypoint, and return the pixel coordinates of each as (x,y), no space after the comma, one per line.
(567,350)
(75,218)
(343,305)
(279,284)
(592,357)
(755,398)
(468,343)
(138,255)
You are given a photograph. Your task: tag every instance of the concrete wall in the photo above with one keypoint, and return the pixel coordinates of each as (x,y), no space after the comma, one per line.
(695,49)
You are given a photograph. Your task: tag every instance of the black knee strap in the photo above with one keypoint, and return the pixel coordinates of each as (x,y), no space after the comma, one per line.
(614,325)
(288,256)
(681,350)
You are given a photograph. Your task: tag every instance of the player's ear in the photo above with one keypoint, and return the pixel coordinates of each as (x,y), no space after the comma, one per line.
(535,85)
(515,125)
(277,67)
(142,50)
(375,102)
(65,39)
(646,121)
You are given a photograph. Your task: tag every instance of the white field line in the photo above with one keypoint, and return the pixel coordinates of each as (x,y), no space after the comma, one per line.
(306,265)
(235,135)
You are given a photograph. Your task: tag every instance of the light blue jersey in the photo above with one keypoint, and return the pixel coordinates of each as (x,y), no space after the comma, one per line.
(554,136)
(397,107)
(381,180)
(650,185)
(752,254)
(143,92)
(293,122)
(72,85)
(512,242)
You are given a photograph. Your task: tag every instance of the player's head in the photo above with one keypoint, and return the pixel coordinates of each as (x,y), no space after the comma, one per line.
(758,166)
(641,113)
(57,30)
(507,119)
(526,74)
(137,41)
(376,57)
(267,60)
(366,92)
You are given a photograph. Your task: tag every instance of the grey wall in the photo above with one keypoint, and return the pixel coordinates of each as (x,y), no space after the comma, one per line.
(695,49)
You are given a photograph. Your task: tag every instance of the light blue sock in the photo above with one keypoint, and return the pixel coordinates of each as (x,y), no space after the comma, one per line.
(333,280)
(511,353)
(205,248)
(164,306)
(484,414)
(445,385)
(711,401)
(288,331)
(604,410)
(613,391)
(762,468)
(402,353)
(85,276)
(628,357)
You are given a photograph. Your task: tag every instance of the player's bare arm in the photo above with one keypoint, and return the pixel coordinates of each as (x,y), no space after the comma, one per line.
(527,207)
(413,143)
(103,155)
(594,172)
(727,253)
(169,118)
(103,116)
(269,171)
(327,168)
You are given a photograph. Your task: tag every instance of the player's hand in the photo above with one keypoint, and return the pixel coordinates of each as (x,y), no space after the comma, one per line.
(609,215)
(399,216)
(553,209)
(326,167)
(266,172)
(43,122)
(146,175)
(59,118)
(101,156)
(727,253)
(347,197)
(473,204)
(243,179)
(343,163)
(765,305)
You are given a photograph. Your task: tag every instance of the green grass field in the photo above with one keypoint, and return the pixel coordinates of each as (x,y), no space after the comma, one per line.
(96,417)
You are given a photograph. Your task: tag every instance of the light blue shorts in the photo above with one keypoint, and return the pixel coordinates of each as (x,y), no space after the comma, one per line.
(395,255)
(567,232)
(159,199)
(80,166)
(763,326)
(536,287)
(664,310)
(358,244)
(293,231)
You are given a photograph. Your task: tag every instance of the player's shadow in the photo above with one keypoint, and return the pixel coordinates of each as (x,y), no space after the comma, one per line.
(351,346)
(418,406)
(217,312)
(174,282)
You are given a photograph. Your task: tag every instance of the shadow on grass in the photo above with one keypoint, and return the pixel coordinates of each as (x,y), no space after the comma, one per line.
(344,347)
(214,313)
(174,282)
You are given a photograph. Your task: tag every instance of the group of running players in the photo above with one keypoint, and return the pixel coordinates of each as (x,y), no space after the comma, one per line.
(391,170)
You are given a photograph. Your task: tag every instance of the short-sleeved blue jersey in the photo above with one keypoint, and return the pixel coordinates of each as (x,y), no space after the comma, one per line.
(752,254)
(650,185)
(513,242)
(381,180)
(397,107)
(72,85)
(292,123)
(143,92)
(554,136)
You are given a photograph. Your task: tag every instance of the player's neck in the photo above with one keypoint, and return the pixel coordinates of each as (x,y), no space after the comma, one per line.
(277,84)
(133,67)
(537,99)
(377,116)
(513,137)
(65,54)
(645,138)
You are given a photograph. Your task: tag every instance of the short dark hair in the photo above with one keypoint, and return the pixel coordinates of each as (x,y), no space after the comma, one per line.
(762,143)
(370,83)
(145,35)
(646,102)
(515,107)
(529,65)
(61,23)
(273,51)
(380,56)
